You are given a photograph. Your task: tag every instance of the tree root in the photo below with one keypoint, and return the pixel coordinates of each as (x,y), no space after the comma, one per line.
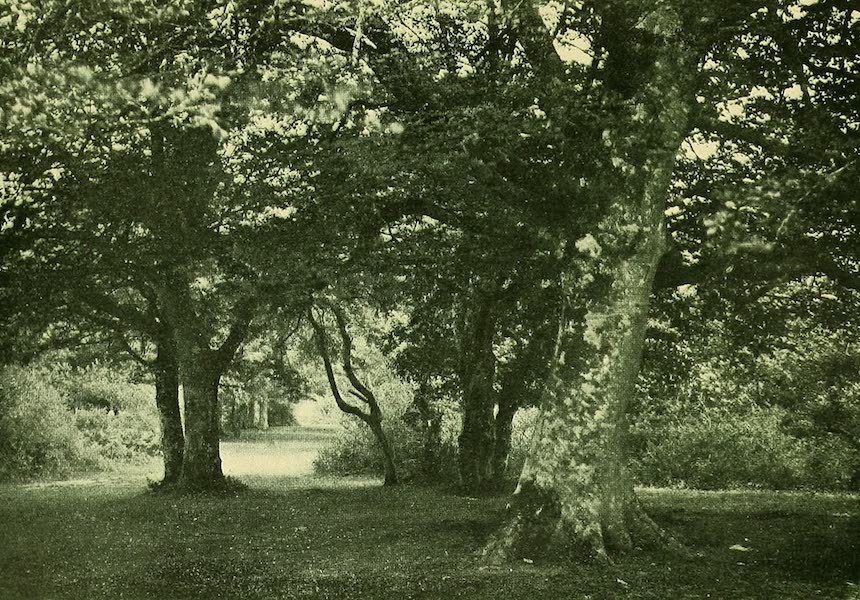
(535,536)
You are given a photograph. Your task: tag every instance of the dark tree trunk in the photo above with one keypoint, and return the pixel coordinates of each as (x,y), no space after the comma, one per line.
(201,465)
(431,442)
(475,444)
(387,452)
(502,443)
(167,400)
(201,368)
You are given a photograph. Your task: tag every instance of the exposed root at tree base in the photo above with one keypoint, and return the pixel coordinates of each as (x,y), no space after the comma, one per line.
(550,537)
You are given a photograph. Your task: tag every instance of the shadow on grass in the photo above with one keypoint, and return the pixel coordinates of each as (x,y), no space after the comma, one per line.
(330,538)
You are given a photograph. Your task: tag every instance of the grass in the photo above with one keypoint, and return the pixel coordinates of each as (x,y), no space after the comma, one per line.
(306,537)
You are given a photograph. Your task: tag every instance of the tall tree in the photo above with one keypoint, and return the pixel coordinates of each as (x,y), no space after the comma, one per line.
(118,154)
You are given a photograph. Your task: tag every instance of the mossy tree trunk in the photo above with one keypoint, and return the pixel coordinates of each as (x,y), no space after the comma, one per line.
(503,429)
(477,375)
(201,367)
(431,434)
(201,464)
(166,371)
(575,495)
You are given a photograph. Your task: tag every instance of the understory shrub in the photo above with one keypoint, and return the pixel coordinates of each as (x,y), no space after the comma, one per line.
(128,436)
(118,419)
(356,452)
(718,449)
(38,436)
(54,422)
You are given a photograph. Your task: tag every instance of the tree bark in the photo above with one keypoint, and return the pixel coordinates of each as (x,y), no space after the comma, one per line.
(387,452)
(431,442)
(201,368)
(575,496)
(200,375)
(503,425)
(475,444)
(261,413)
(166,371)
(201,465)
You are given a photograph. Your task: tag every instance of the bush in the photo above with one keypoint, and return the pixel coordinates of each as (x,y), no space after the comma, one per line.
(129,436)
(38,436)
(355,451)
(119,420)
(281,414)
(711,415)
(718,449)
(56,421)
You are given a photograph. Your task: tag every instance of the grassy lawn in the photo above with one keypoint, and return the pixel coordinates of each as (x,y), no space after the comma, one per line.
(302,537)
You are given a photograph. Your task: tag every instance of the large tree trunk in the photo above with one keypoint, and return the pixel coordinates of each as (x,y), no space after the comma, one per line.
(201,464)
(167,400)
(201,368)
(475,452)
(503,426)
(575,495)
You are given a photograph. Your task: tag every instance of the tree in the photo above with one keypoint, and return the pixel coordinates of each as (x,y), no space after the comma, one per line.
(372,416)
(574,493)
(125,158)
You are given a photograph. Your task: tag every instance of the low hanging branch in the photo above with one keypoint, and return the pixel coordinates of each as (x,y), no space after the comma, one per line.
(373,415)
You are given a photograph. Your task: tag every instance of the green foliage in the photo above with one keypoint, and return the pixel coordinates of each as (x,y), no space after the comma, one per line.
(356,452)
(38,436)
(778,411)
(99,387)
(281,414)
(55,422)
(718,449)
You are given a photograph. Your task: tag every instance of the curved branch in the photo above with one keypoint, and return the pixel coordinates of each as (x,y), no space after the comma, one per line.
(322,348)
(364,392)
(134,354)
(245,310)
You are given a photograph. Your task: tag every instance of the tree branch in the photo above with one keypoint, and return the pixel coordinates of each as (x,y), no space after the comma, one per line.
(245,310)
(125,314)
(346,355)
(535,38)
(134,354)
(322,348)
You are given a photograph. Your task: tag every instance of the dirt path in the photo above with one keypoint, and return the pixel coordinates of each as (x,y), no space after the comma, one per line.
(281,451)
